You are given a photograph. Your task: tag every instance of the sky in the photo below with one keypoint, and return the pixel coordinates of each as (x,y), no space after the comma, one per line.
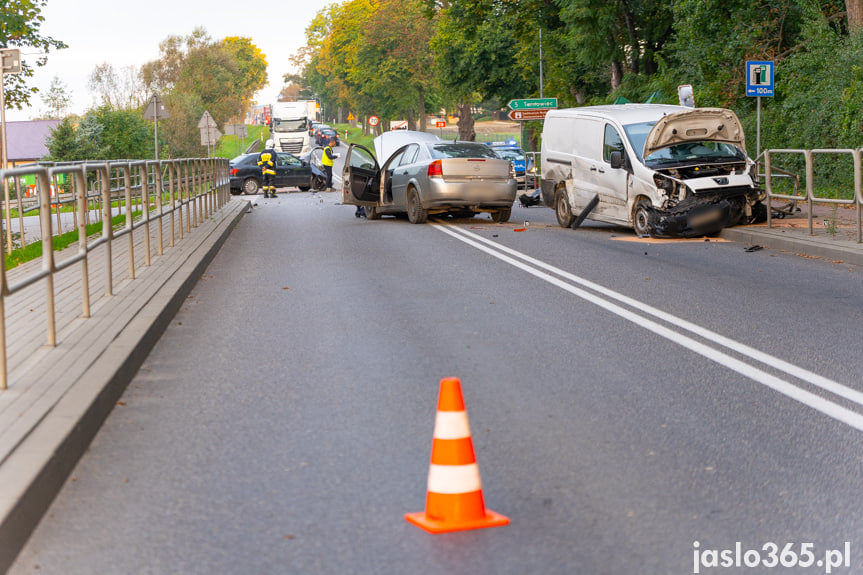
(128,34)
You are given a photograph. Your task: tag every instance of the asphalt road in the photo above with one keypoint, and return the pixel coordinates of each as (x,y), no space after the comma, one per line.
(636,406)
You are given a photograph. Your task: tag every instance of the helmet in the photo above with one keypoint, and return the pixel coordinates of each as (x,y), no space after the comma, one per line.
(269,144)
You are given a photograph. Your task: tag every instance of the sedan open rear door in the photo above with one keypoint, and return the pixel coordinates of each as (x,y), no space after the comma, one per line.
(360,178)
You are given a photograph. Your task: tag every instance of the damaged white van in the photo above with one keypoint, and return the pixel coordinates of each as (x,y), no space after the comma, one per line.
(666,171)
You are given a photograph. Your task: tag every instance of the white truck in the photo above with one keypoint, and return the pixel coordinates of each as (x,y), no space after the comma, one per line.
(289,125)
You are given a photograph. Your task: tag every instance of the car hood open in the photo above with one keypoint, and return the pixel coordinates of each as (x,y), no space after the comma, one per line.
(389,142)
(695,125)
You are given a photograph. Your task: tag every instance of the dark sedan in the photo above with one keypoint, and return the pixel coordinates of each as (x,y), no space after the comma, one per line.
(325,134)
(291,171)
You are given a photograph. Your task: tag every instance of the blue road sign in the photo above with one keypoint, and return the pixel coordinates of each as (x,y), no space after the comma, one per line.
(759,78)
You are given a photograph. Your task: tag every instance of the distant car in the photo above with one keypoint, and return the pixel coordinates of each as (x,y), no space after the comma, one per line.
(511,151)
(317,131)
(324,135)
(291,171)
(423,175)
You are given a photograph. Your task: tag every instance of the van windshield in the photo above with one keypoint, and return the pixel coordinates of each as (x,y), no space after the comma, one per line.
(698,151)
(681,153)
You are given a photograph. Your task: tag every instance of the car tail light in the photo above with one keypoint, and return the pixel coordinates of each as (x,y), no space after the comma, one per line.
(435,169)
(234,171)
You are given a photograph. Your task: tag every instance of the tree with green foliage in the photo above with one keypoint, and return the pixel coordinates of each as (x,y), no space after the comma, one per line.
(195,74)
(20,21)
(395,60)
(102,134)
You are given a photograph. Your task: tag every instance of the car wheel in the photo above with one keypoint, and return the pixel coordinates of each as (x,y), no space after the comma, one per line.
(416,213)
(372,213)
(565,217)
(251,186)
(318,183)
(642,218)
(501,216)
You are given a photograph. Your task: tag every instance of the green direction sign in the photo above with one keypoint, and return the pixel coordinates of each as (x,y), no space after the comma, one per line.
(533,104)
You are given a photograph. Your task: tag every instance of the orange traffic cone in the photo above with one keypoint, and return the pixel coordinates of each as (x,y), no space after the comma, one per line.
(454,499)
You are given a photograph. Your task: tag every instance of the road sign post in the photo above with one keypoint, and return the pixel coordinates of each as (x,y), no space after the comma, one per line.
(210,133)
(759,83)
(155,110)
(533,104)
(522,115)
(10,63)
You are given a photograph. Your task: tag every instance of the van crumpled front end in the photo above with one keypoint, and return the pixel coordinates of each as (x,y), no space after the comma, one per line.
(703,199)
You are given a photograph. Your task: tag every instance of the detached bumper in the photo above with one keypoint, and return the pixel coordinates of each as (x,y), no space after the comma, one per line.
(701,220)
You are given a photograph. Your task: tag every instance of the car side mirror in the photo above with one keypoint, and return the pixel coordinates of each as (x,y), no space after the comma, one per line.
(616,160)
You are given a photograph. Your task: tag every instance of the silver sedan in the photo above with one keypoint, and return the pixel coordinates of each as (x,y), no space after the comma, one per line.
(423,175)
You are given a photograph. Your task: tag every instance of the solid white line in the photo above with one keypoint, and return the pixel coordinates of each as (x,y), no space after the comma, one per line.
(821,404)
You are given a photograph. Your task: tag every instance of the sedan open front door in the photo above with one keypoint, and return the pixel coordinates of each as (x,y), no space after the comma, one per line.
(361,178)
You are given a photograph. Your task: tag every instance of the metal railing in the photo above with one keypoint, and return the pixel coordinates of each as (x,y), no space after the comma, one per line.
(174,189)
(810,197)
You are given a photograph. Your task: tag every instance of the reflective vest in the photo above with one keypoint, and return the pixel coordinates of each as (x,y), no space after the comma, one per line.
(267,161)
(327,160)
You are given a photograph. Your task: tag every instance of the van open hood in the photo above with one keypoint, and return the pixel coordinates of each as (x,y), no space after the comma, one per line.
(695,125)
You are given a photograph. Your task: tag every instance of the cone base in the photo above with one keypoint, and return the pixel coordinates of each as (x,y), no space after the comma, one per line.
(491,519)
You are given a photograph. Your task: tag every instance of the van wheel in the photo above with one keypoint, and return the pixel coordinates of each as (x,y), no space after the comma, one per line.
(501,216)
(565,217)
(642,219)
(416,213)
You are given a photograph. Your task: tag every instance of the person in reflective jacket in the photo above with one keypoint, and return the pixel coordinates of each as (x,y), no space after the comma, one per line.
(327,162)
(267,160)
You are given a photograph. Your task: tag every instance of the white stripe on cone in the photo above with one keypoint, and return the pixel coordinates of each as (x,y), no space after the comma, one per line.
(452,479)
(451,425)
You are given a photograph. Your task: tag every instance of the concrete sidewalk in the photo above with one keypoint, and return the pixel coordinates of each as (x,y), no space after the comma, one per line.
(834,241)
(59,396)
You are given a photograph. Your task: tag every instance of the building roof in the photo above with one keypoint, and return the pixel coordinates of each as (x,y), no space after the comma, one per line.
(27,140)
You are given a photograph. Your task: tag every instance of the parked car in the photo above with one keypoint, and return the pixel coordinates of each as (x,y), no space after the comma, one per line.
(666,171)
(422,175)
(324,135)
(290,171)
(511,151)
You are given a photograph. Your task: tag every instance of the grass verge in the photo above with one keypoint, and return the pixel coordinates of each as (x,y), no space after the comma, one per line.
(60,242)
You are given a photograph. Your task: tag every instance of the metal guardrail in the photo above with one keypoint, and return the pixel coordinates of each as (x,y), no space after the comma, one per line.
(809,178)
(190,188)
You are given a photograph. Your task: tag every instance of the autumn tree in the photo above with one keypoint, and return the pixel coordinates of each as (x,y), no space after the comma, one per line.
(195,74)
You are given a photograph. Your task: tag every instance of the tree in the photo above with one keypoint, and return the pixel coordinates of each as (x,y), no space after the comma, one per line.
(251,65)
(195,74)
(103,134)
(396,62)
(123,90)
(57,98)
(854,8)
(19,27)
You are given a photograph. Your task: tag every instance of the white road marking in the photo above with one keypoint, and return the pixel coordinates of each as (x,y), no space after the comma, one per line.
(541,270)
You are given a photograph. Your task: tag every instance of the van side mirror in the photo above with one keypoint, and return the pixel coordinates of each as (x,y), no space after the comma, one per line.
(616,160)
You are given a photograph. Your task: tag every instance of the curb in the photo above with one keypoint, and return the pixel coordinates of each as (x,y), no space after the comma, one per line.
(816,246)
(36,471)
